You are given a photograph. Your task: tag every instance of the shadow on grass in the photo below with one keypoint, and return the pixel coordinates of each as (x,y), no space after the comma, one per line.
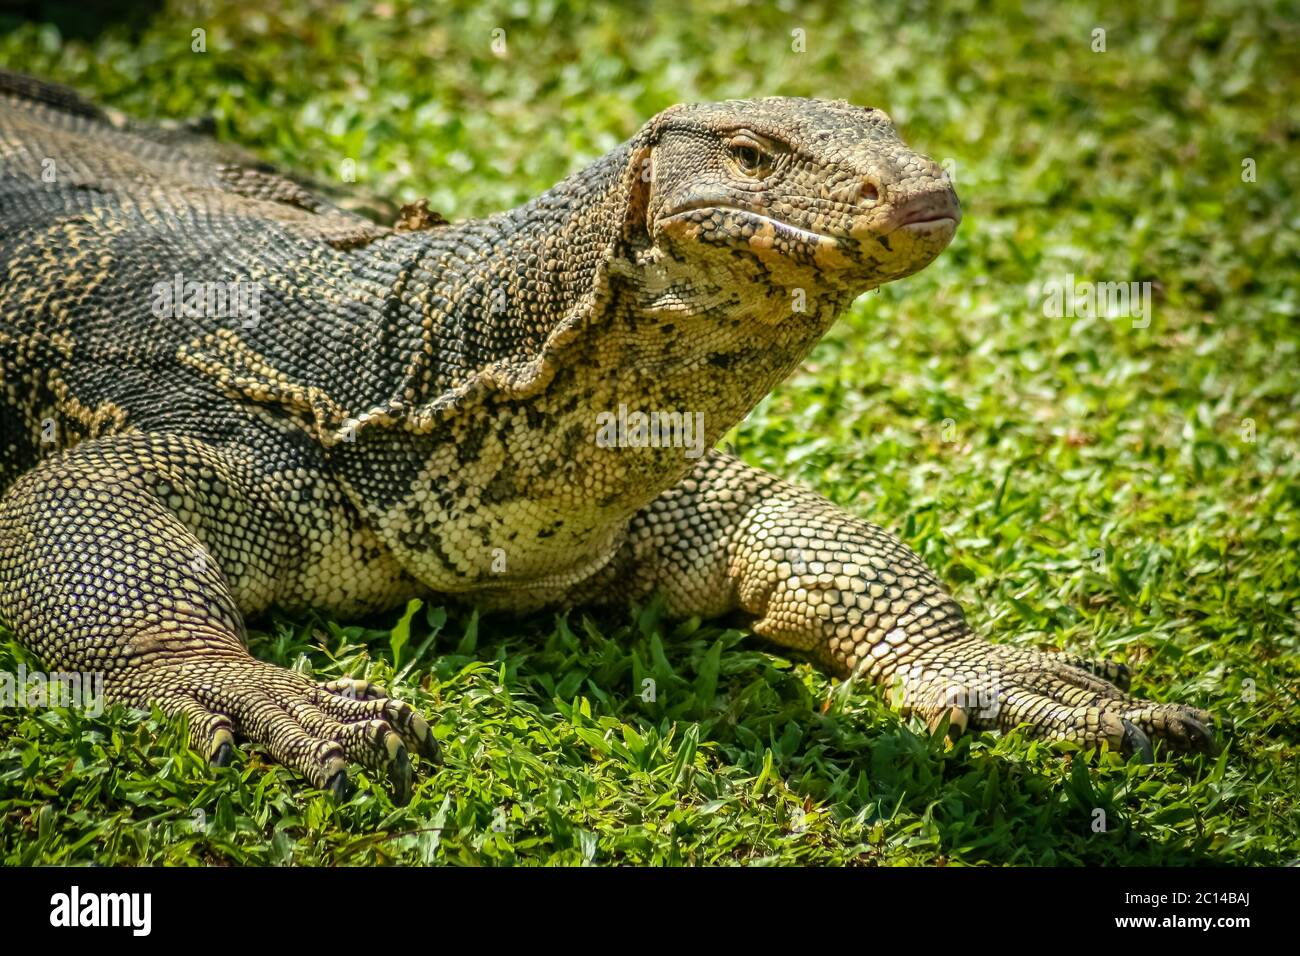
(981,799)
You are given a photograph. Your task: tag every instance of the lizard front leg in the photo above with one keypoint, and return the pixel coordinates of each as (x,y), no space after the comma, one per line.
(860,603)
(130,556)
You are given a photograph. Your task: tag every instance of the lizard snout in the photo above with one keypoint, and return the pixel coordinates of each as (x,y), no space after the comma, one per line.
(932,207)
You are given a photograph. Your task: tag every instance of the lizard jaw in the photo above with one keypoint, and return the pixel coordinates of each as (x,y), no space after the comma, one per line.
(680,221)
(865,258)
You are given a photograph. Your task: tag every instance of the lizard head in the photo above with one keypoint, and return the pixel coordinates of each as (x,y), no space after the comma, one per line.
(792,191)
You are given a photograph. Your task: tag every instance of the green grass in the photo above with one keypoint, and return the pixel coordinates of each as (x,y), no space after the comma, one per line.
(1079,483)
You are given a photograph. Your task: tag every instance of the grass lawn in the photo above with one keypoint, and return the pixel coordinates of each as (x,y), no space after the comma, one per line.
(1095,484)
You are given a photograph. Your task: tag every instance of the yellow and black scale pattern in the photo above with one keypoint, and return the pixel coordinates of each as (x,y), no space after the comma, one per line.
(376,414)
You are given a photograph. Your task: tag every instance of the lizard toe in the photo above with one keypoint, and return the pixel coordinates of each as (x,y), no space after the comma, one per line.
(1074,699)
(1176,727)
(211,733)
(1044,716)
(1111,672)
(372,742)
(409,723)
(319,759)
(1068,683)
(353,689)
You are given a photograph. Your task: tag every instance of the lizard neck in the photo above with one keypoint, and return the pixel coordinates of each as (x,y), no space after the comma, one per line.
(490,293)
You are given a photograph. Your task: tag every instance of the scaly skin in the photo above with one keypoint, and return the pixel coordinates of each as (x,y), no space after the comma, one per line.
(415,412)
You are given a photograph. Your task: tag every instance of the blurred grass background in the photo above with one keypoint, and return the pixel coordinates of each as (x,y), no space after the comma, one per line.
(1079,483)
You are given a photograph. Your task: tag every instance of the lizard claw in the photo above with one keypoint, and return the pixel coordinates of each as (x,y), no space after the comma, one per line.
(313,729)
(352,700)
(401,777)
(1136,742)
(223,753)
(339,786)
(991,686)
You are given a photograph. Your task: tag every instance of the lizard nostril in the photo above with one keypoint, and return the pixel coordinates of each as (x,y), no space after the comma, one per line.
(868,191)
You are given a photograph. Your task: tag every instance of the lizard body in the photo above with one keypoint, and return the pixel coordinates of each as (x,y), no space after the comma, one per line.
(220,391)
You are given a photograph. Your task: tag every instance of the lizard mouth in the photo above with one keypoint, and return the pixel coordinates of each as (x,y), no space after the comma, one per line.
(927,225)
(921,221)
(702,212)
(931,213)
(879,255)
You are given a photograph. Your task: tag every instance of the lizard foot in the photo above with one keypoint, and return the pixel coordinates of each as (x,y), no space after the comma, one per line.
(315,729)
(992,686)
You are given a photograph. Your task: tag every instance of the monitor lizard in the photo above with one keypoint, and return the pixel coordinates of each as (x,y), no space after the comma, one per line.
(221,391)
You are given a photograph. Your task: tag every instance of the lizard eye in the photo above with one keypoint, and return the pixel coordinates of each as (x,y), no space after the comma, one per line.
(749,156)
